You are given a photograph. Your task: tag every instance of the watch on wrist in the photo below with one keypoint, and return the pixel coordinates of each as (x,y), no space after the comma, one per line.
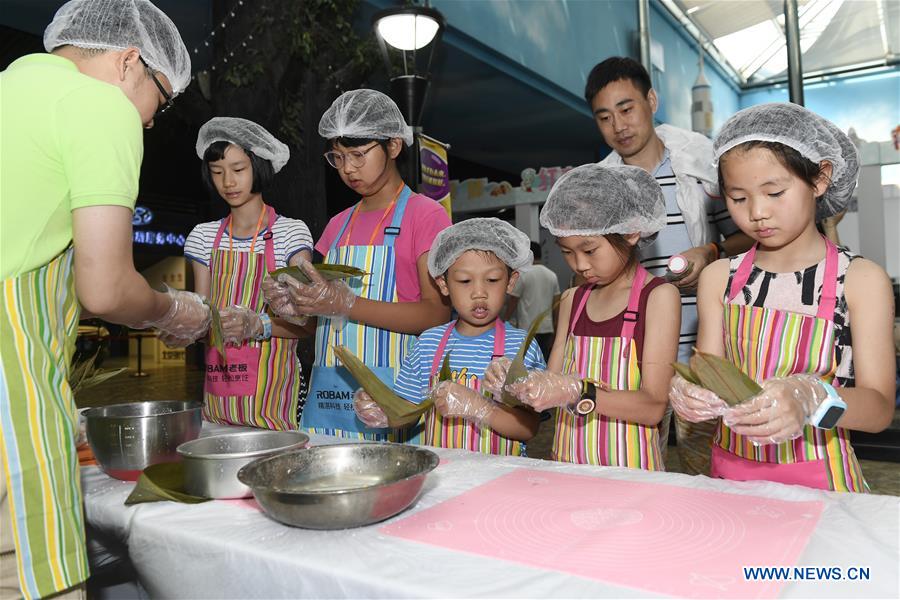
(830,410)
(588,401)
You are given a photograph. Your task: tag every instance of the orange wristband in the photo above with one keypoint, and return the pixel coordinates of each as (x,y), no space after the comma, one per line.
(714,247)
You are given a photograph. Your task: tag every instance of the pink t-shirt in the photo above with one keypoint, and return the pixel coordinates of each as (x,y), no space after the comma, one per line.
(422,221)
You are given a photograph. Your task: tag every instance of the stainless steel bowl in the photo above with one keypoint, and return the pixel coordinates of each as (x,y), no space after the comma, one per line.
(126,438)
(211,464)
(341,486)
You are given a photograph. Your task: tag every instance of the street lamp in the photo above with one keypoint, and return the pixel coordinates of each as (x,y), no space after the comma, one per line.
(407,37)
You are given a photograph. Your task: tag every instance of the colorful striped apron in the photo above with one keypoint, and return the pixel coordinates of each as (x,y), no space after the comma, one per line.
(37,414)
(268,400)
(329,404)
(596,439)
(768,343)
(456,432)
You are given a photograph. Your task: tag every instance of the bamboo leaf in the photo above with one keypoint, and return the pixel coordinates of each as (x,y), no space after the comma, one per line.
(445,374)
(164,481)
(517,369)
(216,336)
(686,373)
(399,412)
(723,378)
(326,270)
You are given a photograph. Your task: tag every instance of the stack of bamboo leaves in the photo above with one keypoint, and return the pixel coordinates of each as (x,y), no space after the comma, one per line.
(719,376)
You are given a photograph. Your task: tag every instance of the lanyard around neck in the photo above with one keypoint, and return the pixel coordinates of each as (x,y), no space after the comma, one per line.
(377,228)
(262,214)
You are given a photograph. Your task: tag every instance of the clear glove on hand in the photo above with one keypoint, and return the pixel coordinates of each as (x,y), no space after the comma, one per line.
(186,321)
(452,399)
(278,295)
(779,412)
(545,389)
(239,323)
(368,411)
(495,376)
(694,403)
(320,297)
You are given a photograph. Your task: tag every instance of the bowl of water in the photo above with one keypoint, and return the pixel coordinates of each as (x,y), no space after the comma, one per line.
(339,486)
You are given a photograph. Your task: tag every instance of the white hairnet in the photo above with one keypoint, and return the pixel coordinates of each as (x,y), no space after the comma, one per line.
(366,114)
(121,24)
(245,134)
(597,199)
(815,138)
(493,235)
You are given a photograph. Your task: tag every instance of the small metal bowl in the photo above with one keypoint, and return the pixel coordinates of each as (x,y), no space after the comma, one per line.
(211,464)
(126,438)
(341,486)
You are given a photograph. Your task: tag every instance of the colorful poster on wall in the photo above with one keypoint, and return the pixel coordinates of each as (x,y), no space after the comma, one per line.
(435,170)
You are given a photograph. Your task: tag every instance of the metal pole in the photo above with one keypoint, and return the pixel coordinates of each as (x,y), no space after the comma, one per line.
(792,39)
(644,32)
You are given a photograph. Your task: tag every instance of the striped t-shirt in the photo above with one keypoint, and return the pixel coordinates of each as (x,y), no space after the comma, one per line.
(472,353)
(290,236)
(674,239)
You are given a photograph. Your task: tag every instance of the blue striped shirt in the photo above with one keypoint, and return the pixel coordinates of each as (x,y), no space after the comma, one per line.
(472,353)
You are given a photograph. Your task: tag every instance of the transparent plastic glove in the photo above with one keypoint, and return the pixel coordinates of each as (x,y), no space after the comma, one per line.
(495,376)
(452,399)
(694,403)
(779,412)
(174,341)
(368,411)
(186,321)
(545,389)
(278,295)
(320,297)
(239,323)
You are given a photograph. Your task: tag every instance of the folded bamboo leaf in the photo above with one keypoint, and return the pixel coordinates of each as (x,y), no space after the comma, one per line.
(164,481)
(723,378)
(517,369)
(216,335)
(326,270)
(446,373)
(399,412)
(686,373)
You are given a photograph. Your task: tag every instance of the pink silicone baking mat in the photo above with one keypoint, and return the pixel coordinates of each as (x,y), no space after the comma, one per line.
(661,538)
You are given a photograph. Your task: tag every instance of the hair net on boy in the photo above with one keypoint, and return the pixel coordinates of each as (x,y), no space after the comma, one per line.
(815,138)
(121,24)
(245,134)
(493,235)
(364,114)
(597,199)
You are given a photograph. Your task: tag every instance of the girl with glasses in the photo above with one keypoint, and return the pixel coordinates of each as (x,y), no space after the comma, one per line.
(258,382)
(387,234)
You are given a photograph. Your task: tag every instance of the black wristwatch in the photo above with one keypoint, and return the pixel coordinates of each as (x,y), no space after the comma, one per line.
(588,401)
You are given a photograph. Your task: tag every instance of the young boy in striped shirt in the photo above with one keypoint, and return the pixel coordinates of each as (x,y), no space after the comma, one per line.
(475,264)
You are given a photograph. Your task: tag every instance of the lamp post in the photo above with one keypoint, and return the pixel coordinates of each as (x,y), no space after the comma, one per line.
(407,37)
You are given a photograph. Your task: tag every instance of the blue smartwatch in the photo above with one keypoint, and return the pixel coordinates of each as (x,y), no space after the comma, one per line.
(830,410)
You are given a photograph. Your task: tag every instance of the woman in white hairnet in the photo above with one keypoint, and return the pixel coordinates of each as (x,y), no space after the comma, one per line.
(387,234)
(259,381)
(74,120)
(792,311)
(611,361)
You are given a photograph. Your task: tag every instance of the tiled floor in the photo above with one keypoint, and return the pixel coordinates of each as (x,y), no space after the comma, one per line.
(183,384)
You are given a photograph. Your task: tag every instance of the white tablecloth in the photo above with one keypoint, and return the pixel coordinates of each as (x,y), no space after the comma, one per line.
(221,549)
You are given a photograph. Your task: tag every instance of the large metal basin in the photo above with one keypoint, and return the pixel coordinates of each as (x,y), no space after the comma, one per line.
(127,438)
(211,464)
(341,486)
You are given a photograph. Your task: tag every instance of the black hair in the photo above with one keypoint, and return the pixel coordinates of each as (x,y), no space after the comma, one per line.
(800,166)
(627,252)
(613,69)
(536,250)
(263,172)
(351,142)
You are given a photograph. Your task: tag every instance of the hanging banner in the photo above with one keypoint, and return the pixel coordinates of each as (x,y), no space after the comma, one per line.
(435,171)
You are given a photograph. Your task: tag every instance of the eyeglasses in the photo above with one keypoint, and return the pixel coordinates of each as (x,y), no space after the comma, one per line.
(356,158)
(168,97)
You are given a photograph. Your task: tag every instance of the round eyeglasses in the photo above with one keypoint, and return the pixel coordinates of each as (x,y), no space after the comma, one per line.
(356,158)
